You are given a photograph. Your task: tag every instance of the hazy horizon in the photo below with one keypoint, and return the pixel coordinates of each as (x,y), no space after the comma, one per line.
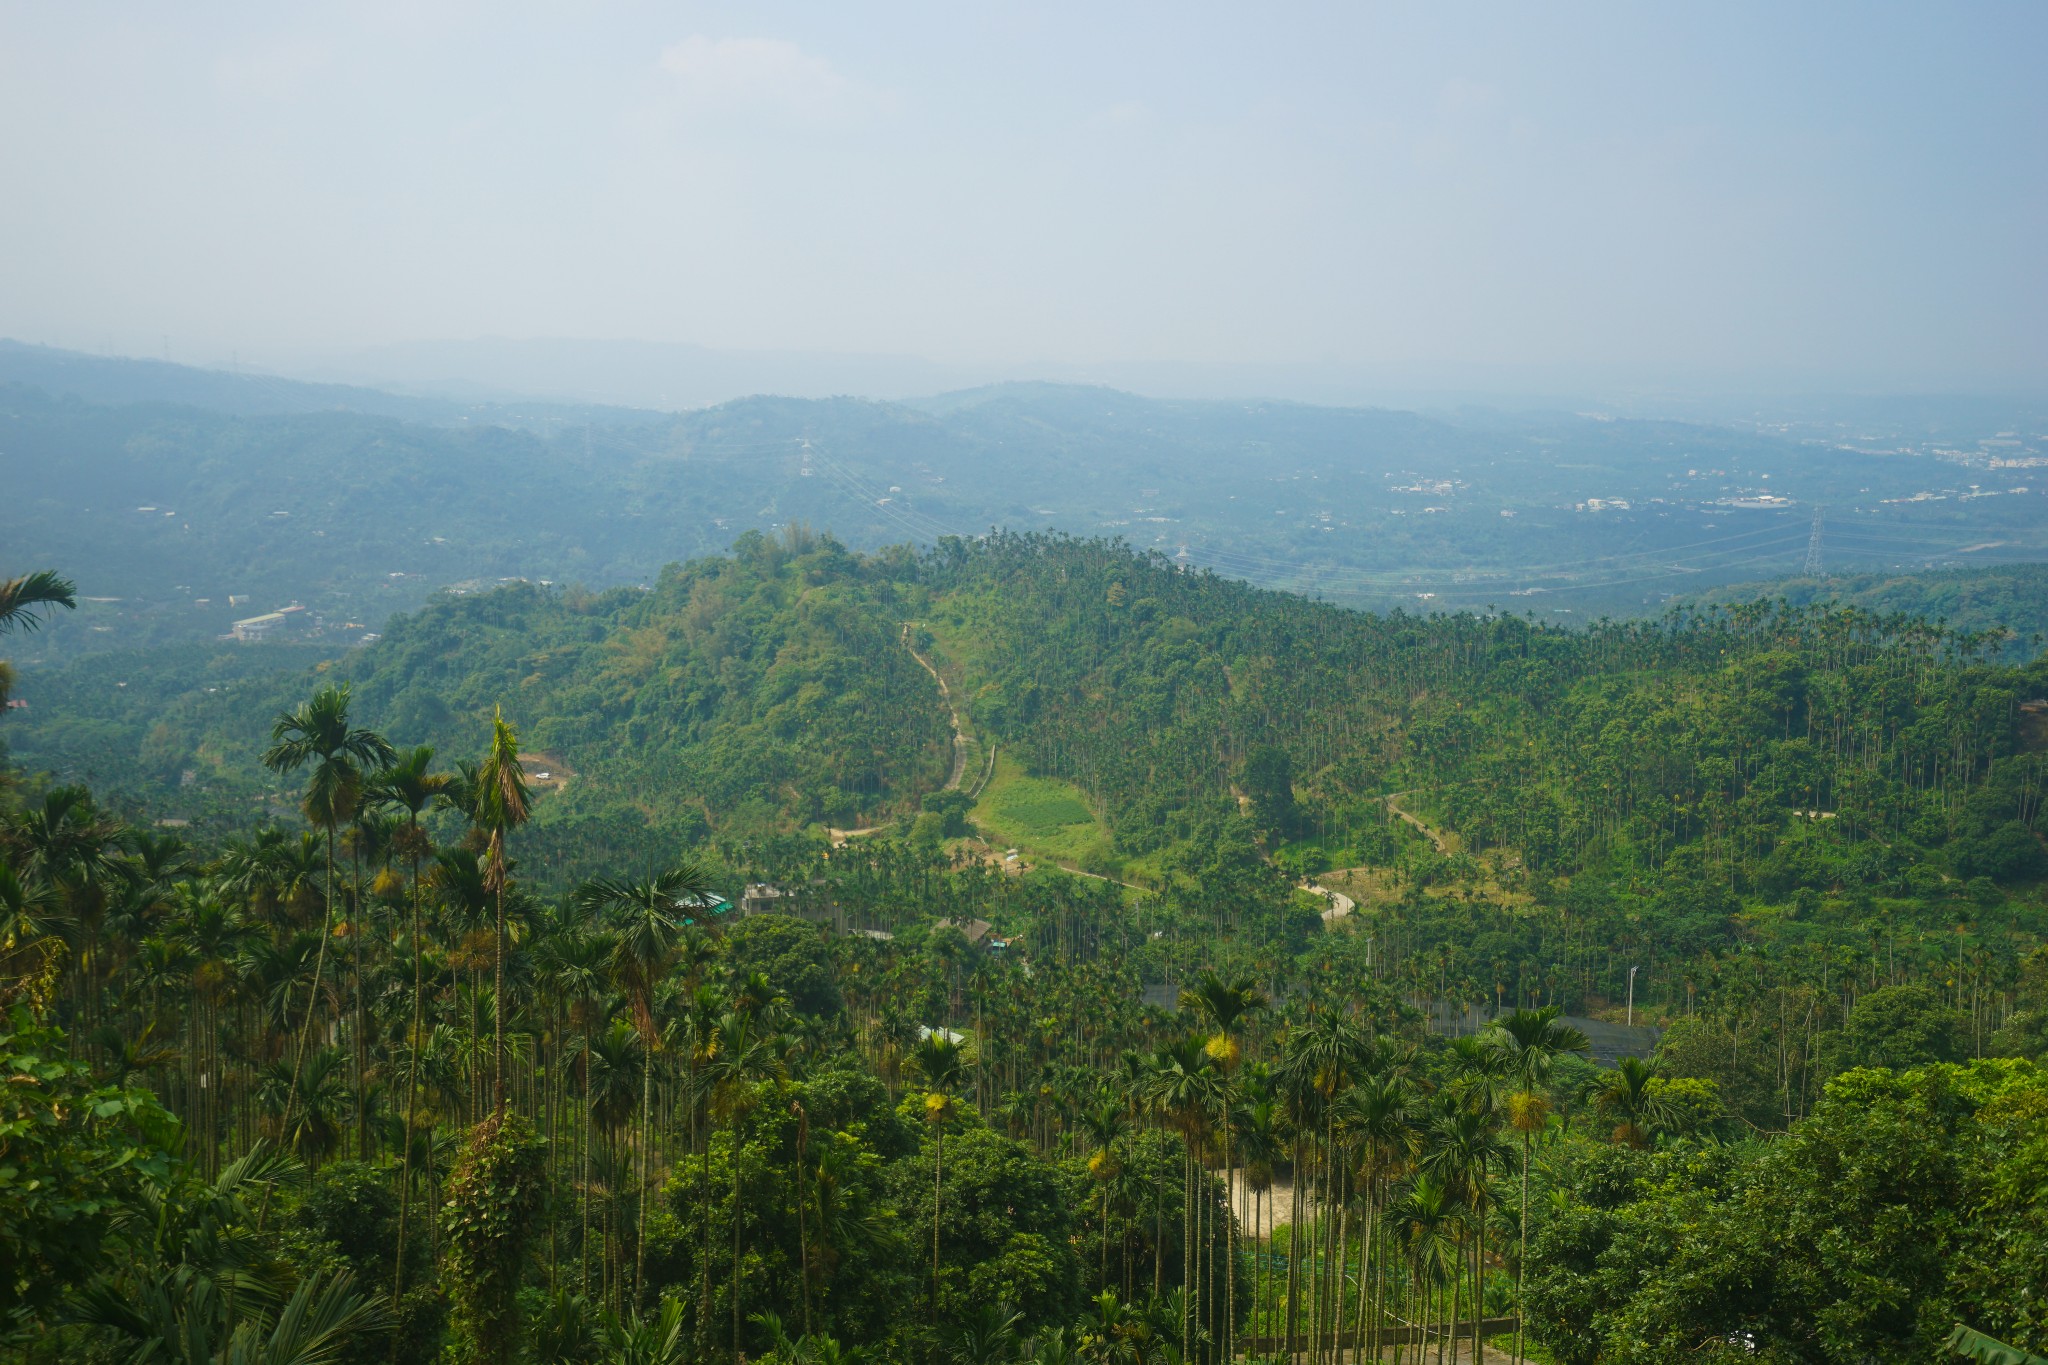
(1327,204)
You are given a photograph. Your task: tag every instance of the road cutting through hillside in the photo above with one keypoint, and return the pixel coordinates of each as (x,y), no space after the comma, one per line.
(959,773)
(1442,845)
(1341,904)
(953,778)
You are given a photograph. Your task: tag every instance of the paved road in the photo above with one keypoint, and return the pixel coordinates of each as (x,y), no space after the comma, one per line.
(1340,904)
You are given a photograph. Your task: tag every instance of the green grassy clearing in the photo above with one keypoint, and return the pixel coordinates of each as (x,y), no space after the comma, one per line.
(1040,816)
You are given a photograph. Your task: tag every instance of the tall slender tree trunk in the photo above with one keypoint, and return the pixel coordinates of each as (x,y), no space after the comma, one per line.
(1479,1284)
(704,1248)
(1102,1201)
(737,1275)
(412,1081)
(1522,1263)
(1187,1241)
(1292,1314)
(583,1239)
(1450,1337)
(1258,1280)
(1360,1325)
(1322,1253)
(646,1170)
(1338,1286)
(803,1258)
(1158,1244)
(938,1195)
(1479,1290)
(362,1039)
(498,1005)
(1229,1351)
(305,1030)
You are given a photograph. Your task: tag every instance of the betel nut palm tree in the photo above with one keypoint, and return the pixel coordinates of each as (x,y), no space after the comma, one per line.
(646,918)
(1377,1117)
(1464,1148)
(318,732)
(742,1055)
(1425,1222)
(502,803)
(938,1059)
(1184,1088)
(1532,1041)
(1626,1096)
(410,784)
(1224,1004)
(1103,1121)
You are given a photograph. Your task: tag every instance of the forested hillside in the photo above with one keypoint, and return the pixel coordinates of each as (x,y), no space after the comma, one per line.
(463,1058)
(2012,598)
(1716,739)
(759,692)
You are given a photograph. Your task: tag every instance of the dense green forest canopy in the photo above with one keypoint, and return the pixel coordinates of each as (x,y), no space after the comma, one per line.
(760,692)
(1796,772)
(2011,597)
(410,1052)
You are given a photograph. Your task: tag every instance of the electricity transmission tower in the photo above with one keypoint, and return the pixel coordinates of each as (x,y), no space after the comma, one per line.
(1813,567)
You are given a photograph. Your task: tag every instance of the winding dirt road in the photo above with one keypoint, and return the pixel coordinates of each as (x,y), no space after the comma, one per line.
(1341,904)
(959,773)
(1442,846)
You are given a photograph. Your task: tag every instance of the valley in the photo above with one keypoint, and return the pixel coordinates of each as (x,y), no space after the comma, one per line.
(264,494)
(1070,899)
(1023,684)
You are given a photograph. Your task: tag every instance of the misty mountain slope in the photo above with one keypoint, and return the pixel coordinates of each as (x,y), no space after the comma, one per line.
(175,510)
(666,375)
(1573,516)
(121,379)
(127,379)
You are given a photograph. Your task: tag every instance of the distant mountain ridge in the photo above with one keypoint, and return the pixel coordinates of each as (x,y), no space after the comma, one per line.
(671,376)
(124,380)
(181,492)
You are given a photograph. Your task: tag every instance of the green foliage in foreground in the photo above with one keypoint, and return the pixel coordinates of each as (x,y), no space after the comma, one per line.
(73,1153)
(1909,1201)
(494,1196)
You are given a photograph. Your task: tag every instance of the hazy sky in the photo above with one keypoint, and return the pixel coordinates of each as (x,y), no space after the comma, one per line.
(1852,194)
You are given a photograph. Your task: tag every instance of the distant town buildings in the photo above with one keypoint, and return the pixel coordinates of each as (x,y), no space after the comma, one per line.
(270,623)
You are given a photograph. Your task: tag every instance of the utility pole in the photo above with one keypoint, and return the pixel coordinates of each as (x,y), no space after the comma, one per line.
(1632,995)
(1813,567)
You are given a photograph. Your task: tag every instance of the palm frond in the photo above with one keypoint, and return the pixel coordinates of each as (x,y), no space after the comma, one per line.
(19,598)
